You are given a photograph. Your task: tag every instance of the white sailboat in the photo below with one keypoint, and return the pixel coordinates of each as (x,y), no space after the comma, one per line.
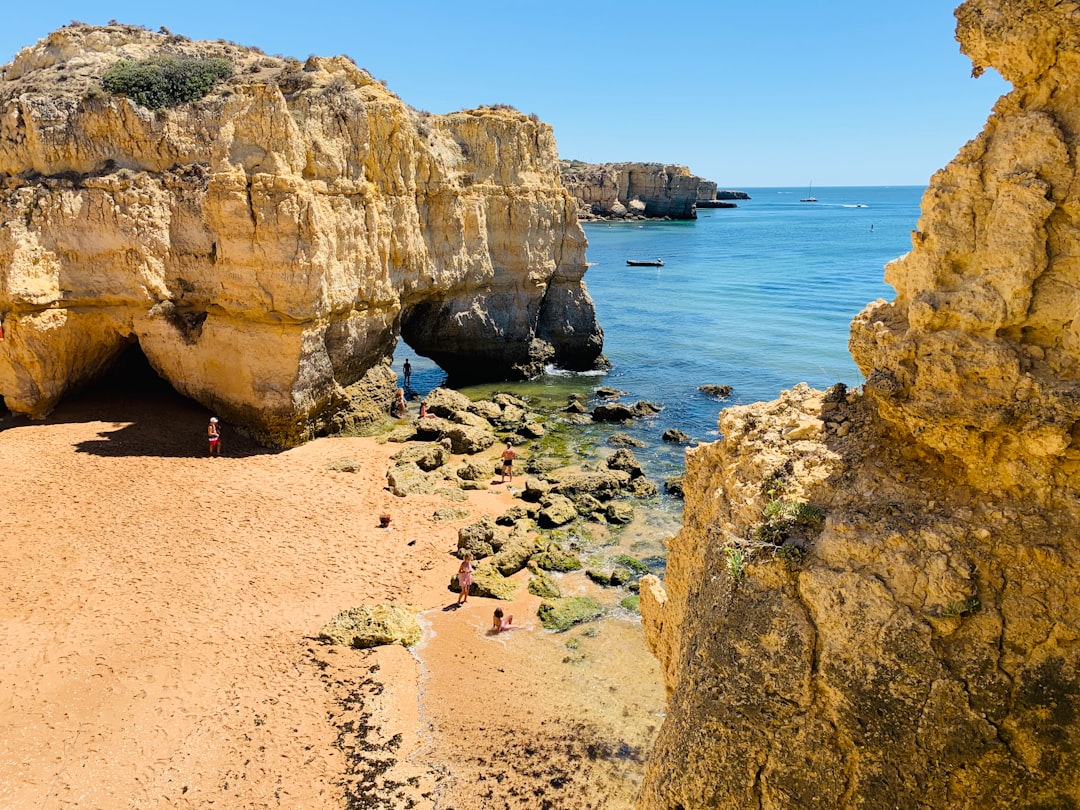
(809,194)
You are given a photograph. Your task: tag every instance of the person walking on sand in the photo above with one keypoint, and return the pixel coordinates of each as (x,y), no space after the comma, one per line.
(500,623)
(464,578)
(213,433)
(508,456)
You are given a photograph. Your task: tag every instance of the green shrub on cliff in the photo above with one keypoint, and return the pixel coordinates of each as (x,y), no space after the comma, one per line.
(166,81)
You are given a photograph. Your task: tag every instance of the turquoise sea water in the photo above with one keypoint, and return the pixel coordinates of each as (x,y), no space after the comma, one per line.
(758,297)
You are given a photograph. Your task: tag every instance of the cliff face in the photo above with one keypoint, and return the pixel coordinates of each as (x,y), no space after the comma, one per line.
(872,601)
(266,245)
(642,189)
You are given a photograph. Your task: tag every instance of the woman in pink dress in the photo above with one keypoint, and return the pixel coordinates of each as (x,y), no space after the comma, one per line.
(464,577)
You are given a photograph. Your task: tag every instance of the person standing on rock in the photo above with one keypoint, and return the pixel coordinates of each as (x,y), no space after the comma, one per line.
(464,578)
(407,372)
(508,456)
(213,433)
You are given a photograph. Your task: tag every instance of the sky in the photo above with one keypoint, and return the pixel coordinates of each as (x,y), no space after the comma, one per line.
(784,93)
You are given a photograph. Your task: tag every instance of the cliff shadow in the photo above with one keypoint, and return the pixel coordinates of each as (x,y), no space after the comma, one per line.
(148,416)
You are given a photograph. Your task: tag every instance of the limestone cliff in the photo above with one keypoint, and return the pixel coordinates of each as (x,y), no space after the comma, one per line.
(616,190)
(267,244)
(872,602)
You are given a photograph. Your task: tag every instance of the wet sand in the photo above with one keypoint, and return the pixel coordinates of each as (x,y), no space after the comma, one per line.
(158,614)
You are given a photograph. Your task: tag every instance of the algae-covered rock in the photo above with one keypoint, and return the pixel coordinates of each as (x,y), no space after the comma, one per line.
(564,612)
(373,626)
(514,554)
(619,512)
(543,585)
(632,563)
(556,558)
(642,488)
(631,603)
(489,583)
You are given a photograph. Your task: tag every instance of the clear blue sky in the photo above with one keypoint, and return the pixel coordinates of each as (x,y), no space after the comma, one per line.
(839,92)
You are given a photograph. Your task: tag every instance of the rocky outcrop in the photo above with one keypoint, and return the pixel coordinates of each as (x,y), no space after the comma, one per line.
(619,190)
(267,245)
(872,601)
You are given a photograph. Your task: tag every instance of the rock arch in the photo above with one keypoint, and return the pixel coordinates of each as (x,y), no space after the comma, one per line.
(267,245)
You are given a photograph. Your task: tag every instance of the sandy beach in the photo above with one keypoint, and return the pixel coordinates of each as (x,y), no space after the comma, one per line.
(159,615)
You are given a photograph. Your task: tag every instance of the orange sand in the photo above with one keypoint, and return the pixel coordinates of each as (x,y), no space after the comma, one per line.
(158,610)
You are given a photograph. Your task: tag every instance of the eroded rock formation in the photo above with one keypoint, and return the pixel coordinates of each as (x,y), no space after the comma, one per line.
(266,245)
(873,599)
(616,190)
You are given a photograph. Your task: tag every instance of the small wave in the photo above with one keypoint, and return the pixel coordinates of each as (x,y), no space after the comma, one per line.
(555,371)
(856,205)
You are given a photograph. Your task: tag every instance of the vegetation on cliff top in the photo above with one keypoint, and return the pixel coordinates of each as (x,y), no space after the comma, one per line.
(166,81)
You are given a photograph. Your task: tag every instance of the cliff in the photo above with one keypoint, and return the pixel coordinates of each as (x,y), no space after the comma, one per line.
(872,602)
(617,190)
(267,244)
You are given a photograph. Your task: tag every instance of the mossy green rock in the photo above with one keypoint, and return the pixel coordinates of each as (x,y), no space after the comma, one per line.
(631,603)
(374,626)
(554,558)
(488,582)
(566,611)
(544,586)
(514,554)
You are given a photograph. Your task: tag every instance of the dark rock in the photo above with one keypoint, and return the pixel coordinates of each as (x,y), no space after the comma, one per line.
(643,408)
(718,391)
(674,486)
(624,440)
(606,392)
(626,461)
(676,436)
(612,412)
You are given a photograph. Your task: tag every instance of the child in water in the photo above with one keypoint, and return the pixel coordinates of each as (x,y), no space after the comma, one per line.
(500,623)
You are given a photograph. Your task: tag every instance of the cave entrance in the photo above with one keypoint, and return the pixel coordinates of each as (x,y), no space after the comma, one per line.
(426,373)
(147,416)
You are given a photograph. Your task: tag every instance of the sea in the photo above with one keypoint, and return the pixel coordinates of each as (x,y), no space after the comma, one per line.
(758,297)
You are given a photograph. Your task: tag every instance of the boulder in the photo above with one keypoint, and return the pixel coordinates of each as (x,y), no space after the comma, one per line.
(427,456)
(466,439)
(619,512)
(542,584)
(624,459)
(564,612)
(488,583)
(481,538)
(676,436)
(555,558)
(641,408)
(624,440)
(374,625)
(557,510)
(514,554)
(602,484)
(409,479)
(470,471)
(445,402)
(612,412)
(718,391)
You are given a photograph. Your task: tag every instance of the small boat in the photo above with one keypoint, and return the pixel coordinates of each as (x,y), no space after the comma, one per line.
(646,263)
(809,194)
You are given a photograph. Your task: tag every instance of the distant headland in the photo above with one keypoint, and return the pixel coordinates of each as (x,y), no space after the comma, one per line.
(641,190)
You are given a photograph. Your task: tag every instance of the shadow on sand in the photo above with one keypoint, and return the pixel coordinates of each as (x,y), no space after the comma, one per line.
(148,417)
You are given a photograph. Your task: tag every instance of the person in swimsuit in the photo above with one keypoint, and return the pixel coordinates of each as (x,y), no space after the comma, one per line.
(464,578)
(508,456)
(399,407)
(500,622)
(214,435)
